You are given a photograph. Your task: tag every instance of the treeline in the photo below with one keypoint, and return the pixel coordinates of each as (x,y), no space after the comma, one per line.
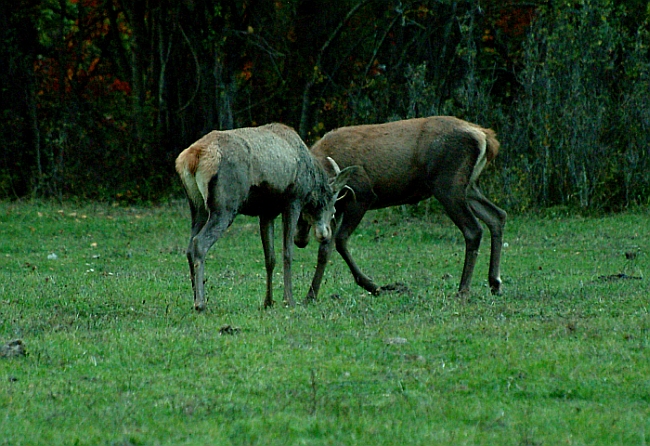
(99,96)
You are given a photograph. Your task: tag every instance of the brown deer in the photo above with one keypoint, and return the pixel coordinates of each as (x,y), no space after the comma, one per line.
(404,162)
(262,171)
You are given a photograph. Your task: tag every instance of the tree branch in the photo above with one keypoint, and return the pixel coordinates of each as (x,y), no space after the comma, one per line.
(198,72)
(306,94)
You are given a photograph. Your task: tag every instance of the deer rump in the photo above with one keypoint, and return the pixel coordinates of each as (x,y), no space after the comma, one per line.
(404,162)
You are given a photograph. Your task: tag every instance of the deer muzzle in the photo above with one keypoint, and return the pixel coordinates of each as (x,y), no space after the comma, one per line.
(322,232)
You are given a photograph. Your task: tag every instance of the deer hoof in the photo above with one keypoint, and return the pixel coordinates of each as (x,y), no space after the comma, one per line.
(495,287)
(199,307)
(371,288)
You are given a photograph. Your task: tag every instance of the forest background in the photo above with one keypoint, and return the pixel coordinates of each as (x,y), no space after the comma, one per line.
(99,96)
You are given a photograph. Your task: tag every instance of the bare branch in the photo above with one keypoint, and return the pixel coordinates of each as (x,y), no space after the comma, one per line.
(198,72)
(381,42)
(307,90)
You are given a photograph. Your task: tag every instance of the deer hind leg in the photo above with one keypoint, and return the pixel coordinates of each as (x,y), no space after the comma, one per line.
(199,217)
(458,209)
(218,221)
(266,231)
(495,219)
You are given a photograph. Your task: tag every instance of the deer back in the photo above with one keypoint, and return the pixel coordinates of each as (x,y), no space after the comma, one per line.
(399,158)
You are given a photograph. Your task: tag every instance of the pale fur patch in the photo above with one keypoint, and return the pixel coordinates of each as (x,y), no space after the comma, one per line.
(207,168)
(193,192)
(196,166)
(481,161)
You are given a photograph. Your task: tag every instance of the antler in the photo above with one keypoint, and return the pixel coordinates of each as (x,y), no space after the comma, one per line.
(347,189)
(337,169)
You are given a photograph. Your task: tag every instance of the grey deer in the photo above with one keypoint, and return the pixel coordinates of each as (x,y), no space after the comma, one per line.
(259,171)
(404,162)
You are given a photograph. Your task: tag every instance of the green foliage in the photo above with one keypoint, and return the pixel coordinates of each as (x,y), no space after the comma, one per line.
(116,355)
(99,97)
(576,84)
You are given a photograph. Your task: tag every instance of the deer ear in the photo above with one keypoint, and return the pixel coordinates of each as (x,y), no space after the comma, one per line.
(343,177)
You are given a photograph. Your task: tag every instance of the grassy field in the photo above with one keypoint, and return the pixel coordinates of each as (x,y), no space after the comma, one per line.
(101,299)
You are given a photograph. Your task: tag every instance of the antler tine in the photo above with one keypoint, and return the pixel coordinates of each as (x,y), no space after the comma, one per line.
(337,169)
(347,189)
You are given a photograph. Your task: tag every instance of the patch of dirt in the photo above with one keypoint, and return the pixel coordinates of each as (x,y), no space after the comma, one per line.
(619,276)
(397,287)
(13,349)
(229,330)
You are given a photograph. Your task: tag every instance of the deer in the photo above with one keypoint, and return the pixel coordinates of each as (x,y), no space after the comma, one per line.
(256,171)
(404,162)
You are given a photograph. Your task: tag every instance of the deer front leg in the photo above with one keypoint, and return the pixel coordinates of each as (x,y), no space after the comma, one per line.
(324,252)
(289,221)
(351,219)
(266,232)
(360,278)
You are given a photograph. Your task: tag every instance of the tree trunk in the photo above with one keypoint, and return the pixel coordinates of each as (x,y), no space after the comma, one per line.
(225,93)
(135,11)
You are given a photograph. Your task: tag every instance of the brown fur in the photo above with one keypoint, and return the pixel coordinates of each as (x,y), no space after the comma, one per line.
(189,159)
(404,162)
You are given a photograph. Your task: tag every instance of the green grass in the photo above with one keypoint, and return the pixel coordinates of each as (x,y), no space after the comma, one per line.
(117,356)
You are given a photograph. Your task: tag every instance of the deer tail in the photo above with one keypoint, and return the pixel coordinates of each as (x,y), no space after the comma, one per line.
(187,166)
(492,143)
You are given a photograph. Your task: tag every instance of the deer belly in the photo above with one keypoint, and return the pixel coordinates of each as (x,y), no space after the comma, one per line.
(263,200)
